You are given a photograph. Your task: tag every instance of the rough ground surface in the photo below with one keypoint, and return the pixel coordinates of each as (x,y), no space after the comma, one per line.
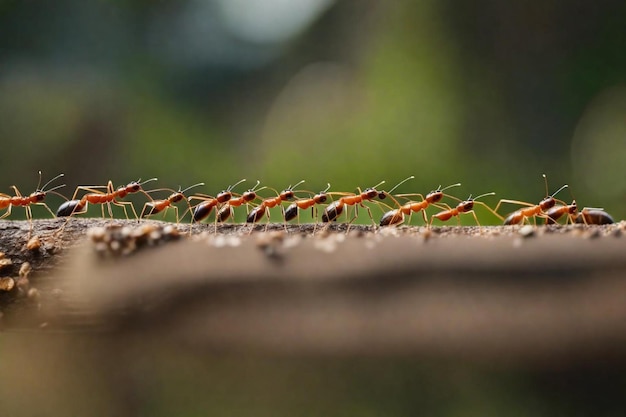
(131,320)
(531,293)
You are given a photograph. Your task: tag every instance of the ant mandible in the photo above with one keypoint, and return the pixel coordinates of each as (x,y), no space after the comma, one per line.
(466,206)
(107,197)
(396,216)
(533,210)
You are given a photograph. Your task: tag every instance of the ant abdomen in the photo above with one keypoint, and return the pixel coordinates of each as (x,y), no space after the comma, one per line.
(594,216)
(291,212)
(68,208)
(333,211)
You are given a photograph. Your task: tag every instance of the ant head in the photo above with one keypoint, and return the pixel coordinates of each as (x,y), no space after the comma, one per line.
(135,186)
(321,197)
(38,196)
(288,193)
(251,193)
(572,208)
(435,196)
(371,193)
(180,194)
(549,201)
(467,205)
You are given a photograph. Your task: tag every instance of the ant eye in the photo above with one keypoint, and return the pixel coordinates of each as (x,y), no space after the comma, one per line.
(322,199)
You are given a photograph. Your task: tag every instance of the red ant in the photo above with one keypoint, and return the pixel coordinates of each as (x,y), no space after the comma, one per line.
(305,203)
(35,198)
(202,210)
(107,197)
(588,215)
(396,216)
(558,211)
(259,211)
(534,211)
(227,211)
(334,210)
(156,206)
(466,206)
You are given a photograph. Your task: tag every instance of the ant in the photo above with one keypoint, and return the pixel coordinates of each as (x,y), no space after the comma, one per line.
(156,206)
(334,210)
(202,210)
(305,203)
(227,211)
(466,206)
(396,216)
(534,211)
(588,215)
(35,198)
(259,211)
(107,197)
(558,211)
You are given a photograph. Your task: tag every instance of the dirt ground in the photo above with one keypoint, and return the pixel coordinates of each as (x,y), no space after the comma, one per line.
(227,319)
(328,290)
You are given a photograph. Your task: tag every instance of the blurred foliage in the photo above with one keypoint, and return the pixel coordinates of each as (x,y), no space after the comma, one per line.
(351,93)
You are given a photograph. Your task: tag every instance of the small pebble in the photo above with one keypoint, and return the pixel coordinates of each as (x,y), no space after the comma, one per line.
(5,262)
(527,231)
(33,244)
(7,284)
(25,269)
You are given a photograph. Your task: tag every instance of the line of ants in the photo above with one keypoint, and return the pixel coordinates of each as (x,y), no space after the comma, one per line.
(549,209)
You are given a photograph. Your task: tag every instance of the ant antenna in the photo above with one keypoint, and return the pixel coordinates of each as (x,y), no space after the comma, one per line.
(327,188)
(546,181)
(190,187)
(48,183)
(230,187)
(380,183)
(290,188)
(142,183)
(257,184)
(560,189)
(480,196)
(54,188)
(400,183)
(458,184)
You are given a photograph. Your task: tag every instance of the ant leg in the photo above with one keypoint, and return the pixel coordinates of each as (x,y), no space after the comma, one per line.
(501,218)
(47,208)
(123,204)
(29,216)
(90,188)
(480,228)
(7,213)
(521,203)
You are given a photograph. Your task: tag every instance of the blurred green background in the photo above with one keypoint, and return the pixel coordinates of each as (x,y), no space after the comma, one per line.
(487,93)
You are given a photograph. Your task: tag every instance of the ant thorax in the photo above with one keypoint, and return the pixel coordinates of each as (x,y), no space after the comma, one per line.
(547,203)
